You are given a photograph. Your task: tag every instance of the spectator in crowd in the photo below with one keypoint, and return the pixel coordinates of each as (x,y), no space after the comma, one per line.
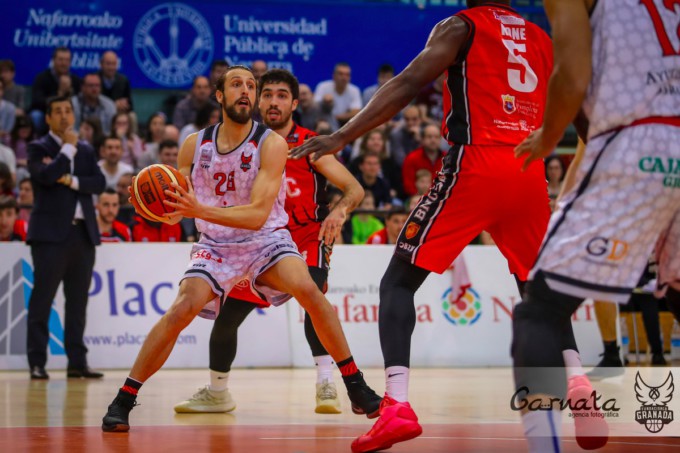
(363,224)
(412,202)
(394,222)
(126,211)
(167,153)
(428,156)
(171,133)
(22,134)
(554,173)
(323,128)
(309,113)
(90,131)
(423,182)
(8,114)
(206,115)
(16,94)
(62,234)
(217,68)
(51,82)
(9,169)
(92,103)
(374,142)
(11,227)
(258,67)
(110,229)
(385,73)
(344,97)
(431,100)
(111,165)
(25,198)
(186,109)
(115,85)
(147,231)
(370,179)
(155,131)
(121,127)
(405,137)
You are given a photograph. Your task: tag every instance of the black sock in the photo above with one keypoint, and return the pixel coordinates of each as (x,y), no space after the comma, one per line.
(131,386)
(611,348)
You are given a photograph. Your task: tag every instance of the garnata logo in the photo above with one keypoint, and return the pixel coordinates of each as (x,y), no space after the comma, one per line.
(173,44)
(592,405)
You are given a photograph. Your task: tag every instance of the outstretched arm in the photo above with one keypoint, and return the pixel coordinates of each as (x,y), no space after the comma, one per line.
(440,52)
(352,194)
(263,194)
(572,49)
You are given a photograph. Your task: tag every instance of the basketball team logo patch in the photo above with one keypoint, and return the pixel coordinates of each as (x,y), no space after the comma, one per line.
(245,161)
(411,230)
(508,103)
(654,413)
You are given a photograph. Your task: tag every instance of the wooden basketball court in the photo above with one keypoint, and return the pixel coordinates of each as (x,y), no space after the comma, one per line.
(462,410)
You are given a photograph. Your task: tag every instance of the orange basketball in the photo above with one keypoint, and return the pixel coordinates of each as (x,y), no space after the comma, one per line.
(149,188)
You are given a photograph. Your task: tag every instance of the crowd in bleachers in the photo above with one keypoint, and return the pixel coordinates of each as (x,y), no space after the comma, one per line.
(395,163)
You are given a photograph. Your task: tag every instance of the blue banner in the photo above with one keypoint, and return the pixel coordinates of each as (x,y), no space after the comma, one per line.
(165,45)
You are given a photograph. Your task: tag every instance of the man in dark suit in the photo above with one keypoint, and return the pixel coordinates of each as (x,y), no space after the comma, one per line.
(62,233)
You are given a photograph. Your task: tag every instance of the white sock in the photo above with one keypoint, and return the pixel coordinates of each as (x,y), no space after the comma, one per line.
(396,379)
(542,430)
(218,380)
(572,361)
(324,368)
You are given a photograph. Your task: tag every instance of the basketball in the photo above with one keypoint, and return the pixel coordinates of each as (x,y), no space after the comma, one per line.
(148,190)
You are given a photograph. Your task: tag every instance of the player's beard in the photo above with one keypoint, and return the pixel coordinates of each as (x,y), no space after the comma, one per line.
(240,117)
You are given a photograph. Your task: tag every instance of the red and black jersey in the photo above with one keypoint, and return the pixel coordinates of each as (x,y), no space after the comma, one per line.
(306,199)
(146,231)
(487,106)
(119,233)
(18,232)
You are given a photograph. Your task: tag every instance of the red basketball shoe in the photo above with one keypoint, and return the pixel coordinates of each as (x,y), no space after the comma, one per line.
(592,430)
(397,423)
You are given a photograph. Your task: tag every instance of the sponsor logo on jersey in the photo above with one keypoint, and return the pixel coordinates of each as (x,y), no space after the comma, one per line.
(411,230)
(607,248)
(206,157)
(662,165)
(508,103)
(245,161)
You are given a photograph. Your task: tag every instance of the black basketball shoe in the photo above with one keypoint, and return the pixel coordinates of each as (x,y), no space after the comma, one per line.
(364,399)
(116,419)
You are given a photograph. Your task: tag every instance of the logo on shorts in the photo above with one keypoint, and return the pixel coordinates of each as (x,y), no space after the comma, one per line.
(608,249)
(245,161)
(508,103)
(411,230)
(654,413)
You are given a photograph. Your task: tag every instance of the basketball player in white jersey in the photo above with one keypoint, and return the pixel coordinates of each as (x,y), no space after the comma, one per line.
(619,60)
(237,170)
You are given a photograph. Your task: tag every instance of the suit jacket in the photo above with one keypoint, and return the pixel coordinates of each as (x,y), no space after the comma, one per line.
(46,85)
(54,204)
(120,88)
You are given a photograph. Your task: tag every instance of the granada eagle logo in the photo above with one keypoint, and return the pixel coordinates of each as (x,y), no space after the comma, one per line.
(245,161)
(654,413)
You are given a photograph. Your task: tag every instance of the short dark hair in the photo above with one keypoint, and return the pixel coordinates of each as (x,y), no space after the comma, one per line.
(394,211)
(54,100)
(92,74)
(60,49)
(110,191)
(24,179)
(7,202)
(216,63)
(385,68)
(107,138)
(341,63)
(223,78)
(167,144)
(280,76)
(7,64)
